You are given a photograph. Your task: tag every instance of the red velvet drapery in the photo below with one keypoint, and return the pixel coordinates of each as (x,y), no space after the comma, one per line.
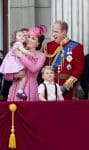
(47,125)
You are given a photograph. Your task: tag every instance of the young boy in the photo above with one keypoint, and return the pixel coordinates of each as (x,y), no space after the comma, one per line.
(49,90)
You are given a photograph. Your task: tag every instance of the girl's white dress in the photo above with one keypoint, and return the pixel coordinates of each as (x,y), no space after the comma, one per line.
(11,63)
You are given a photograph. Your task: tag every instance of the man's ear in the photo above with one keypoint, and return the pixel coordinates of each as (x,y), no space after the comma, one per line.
(64,32)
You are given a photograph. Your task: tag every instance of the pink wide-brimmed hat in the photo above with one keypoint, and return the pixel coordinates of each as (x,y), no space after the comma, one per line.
(38,30)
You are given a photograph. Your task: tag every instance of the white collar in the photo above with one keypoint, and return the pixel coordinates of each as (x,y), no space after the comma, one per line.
(48,83)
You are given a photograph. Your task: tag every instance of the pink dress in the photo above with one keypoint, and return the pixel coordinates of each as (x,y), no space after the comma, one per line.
(32,69)
(11,63)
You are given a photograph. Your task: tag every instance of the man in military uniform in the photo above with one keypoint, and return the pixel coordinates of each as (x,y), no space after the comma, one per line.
(66,57)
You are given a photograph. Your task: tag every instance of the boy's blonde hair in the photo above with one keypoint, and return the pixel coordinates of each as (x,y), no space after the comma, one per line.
(47,68)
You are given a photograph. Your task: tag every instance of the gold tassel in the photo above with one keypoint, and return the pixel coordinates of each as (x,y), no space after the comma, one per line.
(12,139)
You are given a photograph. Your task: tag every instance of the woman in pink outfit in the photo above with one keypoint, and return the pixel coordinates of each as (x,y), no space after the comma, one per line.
(32,65)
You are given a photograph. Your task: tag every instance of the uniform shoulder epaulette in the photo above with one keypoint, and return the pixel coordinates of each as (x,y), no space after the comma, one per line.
(75,42)
(49,43)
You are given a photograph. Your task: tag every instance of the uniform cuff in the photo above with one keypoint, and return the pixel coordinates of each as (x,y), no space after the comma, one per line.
(69,82)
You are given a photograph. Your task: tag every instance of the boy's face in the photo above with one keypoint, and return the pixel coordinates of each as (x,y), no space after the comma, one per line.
(48,75)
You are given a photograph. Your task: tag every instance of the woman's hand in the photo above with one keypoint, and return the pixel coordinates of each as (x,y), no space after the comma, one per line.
(23,50)
(28,53)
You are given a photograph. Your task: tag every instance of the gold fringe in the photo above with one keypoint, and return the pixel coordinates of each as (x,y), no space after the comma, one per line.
(64,41)
(51,55)
(69,82)
(12,138)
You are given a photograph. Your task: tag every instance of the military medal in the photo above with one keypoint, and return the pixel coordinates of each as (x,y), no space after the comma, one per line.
(69,67)
(69,52)
(69,58)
